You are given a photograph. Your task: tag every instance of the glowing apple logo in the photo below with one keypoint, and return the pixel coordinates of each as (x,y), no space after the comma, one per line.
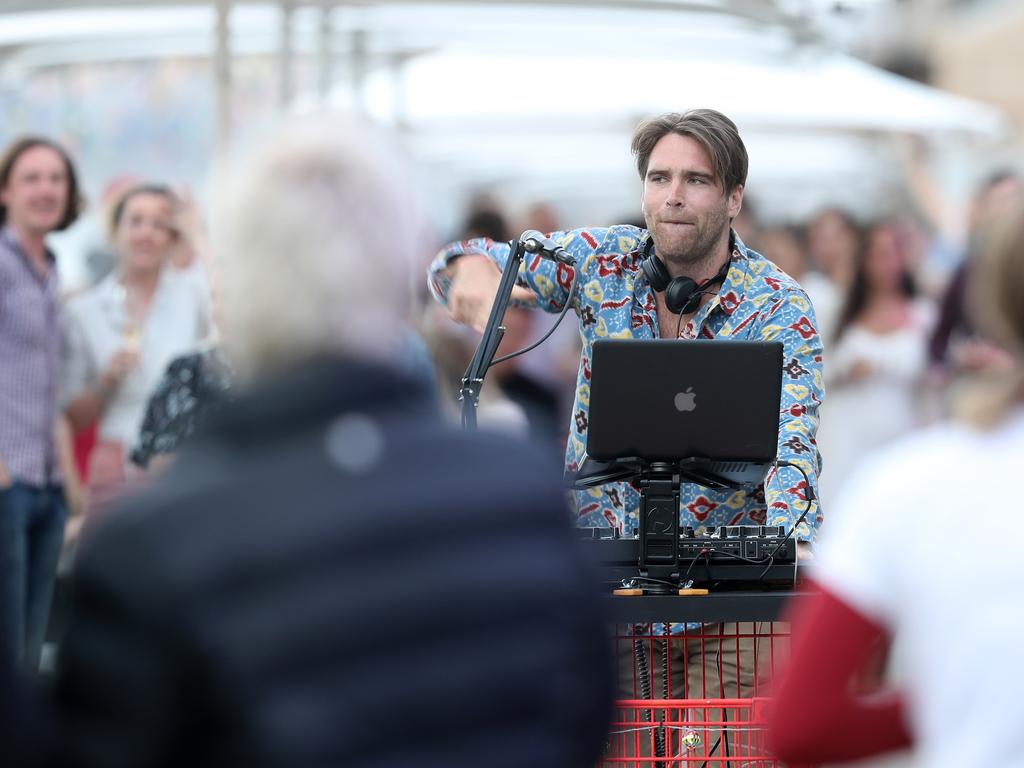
(686,401)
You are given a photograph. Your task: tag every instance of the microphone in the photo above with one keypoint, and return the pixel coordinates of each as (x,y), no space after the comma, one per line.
(534,242)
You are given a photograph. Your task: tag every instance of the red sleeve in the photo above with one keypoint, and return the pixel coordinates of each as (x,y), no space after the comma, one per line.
(817,716)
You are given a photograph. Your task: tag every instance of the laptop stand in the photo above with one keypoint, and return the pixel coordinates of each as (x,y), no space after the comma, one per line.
(658,518)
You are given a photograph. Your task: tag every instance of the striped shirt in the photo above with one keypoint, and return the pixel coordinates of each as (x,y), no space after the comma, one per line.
(30,343)
(613,299)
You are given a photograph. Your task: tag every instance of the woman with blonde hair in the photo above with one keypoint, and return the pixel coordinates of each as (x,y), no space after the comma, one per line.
(122,333)
(917,557)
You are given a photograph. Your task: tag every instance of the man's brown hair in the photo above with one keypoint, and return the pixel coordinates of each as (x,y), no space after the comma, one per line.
(713,130)
(75,202)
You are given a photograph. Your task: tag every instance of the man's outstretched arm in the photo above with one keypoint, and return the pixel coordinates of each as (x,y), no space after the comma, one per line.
(465,275)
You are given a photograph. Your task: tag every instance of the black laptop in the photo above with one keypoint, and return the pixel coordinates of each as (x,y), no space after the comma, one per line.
(712,402)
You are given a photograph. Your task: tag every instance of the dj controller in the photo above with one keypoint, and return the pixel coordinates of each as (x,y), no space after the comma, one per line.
(731,556)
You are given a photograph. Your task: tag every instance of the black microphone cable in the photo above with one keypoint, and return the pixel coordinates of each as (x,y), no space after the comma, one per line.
(542,339)
(811,498)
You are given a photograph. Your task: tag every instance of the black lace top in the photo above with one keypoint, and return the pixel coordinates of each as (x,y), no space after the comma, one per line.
(192,386)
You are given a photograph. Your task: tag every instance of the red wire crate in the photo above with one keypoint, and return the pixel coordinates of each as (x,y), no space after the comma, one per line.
(693,694)
(674,733)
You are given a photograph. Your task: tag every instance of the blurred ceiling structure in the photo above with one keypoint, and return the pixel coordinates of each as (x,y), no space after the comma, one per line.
(537,98)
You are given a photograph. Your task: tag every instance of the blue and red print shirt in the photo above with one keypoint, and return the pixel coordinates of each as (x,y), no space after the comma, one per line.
(613,299)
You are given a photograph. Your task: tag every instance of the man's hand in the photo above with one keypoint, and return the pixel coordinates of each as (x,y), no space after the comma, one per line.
(980,355)
(474,285)
(804,551)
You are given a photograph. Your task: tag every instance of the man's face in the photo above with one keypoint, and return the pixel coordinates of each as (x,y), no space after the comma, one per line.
(686,208)
(36,193)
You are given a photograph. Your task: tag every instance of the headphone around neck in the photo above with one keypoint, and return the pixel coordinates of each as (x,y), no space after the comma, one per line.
(682,294)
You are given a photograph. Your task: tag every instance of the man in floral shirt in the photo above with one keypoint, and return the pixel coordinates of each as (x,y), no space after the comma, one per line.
(694,168)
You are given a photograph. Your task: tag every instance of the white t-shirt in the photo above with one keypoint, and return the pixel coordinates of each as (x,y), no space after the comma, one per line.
(923,540)
(95,327)
(862,416)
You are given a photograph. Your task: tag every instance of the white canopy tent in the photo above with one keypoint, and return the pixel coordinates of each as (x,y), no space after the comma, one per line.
(813,122)
(537,99)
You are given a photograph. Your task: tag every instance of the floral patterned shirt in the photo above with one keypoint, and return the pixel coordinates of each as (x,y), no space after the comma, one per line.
(613,299)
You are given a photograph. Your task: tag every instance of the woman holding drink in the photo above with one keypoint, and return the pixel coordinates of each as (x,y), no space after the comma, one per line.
(122,333)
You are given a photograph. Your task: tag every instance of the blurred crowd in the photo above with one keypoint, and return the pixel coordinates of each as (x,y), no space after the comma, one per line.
(141,364)
(898,340)
(136,361)
(230,602)
(140,360)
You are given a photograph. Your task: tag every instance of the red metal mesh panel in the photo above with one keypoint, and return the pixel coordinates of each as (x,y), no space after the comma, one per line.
(698,732)
(693,696)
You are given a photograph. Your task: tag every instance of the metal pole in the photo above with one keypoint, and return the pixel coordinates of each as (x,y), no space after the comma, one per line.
(399,111)
(357,69)
(325,52)
(222,77)
(285,55)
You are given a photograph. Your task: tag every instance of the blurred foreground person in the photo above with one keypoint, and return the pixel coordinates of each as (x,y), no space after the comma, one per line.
(38,195)
(887,574)
(329,576)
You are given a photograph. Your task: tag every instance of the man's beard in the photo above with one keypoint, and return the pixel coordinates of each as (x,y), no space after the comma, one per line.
(696,250)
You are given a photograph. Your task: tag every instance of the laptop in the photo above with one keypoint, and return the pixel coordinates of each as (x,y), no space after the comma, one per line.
(713,403)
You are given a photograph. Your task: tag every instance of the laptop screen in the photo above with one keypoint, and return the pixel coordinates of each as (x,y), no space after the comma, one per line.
(669,400)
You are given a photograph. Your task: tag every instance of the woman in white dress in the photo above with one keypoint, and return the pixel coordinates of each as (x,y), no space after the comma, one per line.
(874,370)
(122,333)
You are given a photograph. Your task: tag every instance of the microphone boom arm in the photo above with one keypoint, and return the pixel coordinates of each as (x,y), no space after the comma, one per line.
(473,379)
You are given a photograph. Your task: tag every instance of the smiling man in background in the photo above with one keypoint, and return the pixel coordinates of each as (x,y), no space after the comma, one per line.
(38,195)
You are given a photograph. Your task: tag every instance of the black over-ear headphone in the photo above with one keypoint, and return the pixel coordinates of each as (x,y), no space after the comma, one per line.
(682,294)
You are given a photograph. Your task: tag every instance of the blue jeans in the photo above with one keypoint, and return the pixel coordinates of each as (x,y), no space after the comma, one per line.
(31,535)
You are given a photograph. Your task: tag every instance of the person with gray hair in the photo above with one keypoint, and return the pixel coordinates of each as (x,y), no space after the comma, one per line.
(305,586)
(315,248)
